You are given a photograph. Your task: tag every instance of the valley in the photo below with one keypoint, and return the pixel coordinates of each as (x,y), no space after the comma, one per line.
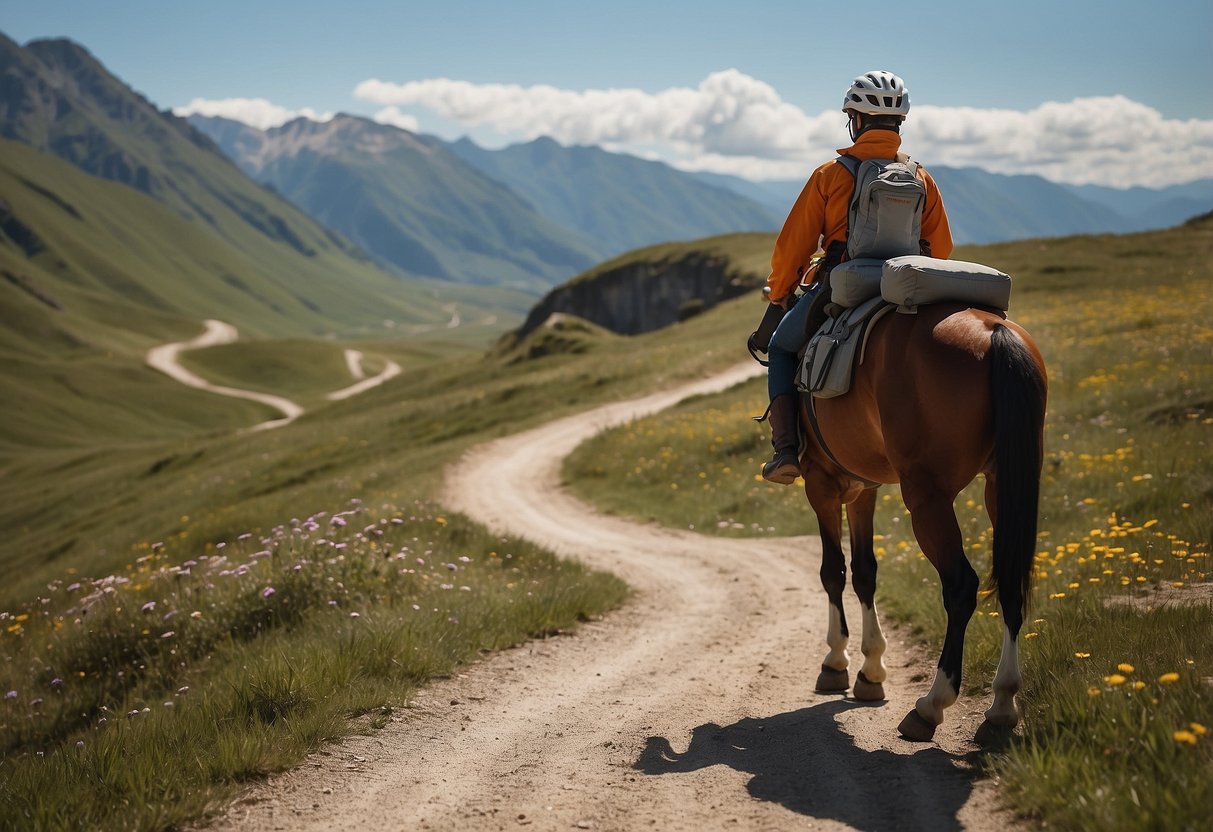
(450,515)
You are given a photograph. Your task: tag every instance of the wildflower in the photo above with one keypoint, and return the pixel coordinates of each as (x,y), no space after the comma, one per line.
(148,607)
(1081,655)
(36,702)
(268,592)
(182,691)
(355,615)
(56,682)
(80,744)
(1093,692)
(1169,678)
(12,694)
(1125,667)
(168,634)
(1139,685)
(1185,736)
(337,521)
(195,614)
(1197,728)
(1115,679)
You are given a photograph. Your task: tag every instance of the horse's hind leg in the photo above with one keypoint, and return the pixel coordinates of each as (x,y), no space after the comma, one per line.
(834,677)
(1004,713)
(939,536)
(869,682)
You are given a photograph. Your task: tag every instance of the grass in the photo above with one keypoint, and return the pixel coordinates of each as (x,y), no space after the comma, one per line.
(172,685)
(135,508)
(137,493)
(1117,657)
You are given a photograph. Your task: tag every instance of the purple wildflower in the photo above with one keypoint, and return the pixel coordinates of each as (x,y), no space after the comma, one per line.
(267,592)
(12,694)
(148,607)
(56,682)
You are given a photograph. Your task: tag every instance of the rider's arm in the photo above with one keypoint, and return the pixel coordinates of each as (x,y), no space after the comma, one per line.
(935,229)
(798,240)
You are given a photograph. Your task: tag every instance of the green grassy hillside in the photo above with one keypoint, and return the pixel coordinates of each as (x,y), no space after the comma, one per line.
(137,502)
(1116,656)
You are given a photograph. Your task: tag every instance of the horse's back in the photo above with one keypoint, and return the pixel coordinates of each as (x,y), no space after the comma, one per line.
(921,398)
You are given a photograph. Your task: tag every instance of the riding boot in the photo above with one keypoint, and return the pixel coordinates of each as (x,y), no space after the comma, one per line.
(784,467)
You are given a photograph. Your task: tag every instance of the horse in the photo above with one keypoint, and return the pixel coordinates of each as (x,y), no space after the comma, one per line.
(940,396)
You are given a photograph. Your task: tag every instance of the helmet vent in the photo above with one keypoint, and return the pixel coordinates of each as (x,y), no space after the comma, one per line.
(873,100)
(888,101)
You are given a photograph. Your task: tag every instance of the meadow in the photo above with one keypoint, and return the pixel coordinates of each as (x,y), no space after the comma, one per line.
(1117,659)
(190,606)
(189,610)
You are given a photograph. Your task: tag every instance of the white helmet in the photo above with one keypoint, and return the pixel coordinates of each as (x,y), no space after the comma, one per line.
(877,93)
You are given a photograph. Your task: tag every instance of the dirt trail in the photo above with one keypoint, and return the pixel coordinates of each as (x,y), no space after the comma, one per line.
(692,708)
(166,359)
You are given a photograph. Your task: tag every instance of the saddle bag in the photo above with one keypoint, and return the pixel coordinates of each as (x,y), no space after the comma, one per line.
(913,280)
(832,355)
(854,281)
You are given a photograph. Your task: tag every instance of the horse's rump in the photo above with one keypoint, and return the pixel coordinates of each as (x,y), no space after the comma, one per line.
(920,398)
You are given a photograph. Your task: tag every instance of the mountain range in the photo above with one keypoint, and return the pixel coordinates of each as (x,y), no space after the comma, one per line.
(607,203)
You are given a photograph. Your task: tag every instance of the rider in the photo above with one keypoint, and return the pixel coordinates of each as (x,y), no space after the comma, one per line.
(876,104)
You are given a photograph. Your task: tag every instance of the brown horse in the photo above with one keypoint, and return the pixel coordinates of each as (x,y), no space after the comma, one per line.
(941,396)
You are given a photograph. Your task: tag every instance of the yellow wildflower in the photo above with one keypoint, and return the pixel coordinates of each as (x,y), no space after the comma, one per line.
(1081,655)
(1125,667)
(1185,736)
(1169,678)
(1197,728)
(1115,679)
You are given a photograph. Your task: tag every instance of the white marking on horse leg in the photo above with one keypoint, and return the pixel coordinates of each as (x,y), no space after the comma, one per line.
(873,646)
(837,658)
(1007,682)
(942,694)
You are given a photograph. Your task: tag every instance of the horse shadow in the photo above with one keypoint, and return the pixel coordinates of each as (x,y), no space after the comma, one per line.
(804,761)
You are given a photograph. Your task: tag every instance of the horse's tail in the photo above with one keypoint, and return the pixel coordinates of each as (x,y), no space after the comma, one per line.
(1018,390)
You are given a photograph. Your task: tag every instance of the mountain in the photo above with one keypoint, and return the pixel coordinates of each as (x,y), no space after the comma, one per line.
(988,207)
(407,200)
(291,274)
(1152,208)
(617,201)
(983,206)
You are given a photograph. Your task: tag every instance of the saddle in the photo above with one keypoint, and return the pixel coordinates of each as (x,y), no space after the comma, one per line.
(864,290)
(833,353)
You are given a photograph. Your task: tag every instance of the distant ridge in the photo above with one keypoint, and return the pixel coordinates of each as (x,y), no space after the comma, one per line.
(617,201)
(406,199)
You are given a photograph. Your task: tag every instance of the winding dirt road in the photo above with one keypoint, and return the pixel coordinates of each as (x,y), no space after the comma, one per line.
(167,359)
(692,708)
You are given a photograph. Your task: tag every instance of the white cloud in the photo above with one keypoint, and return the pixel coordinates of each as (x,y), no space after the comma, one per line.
(733,123)
(393,116)
(255,112)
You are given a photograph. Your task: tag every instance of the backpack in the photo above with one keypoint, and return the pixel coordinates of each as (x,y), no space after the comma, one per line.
(885,217)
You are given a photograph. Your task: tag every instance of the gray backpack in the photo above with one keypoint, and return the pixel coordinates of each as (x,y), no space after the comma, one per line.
(885,217)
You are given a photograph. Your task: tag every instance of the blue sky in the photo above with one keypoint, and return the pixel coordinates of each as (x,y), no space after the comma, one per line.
(974,69)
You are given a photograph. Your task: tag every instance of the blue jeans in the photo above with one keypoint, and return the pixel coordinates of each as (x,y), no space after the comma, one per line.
(783,354)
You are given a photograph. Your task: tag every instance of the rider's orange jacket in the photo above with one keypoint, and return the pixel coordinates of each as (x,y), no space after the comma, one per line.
(819,216)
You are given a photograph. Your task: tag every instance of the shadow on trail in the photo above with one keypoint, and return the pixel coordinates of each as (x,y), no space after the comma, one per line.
(804,761)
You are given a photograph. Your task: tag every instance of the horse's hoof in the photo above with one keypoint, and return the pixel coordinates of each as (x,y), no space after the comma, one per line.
(866,691)
(991,734)
(915,727)
(832,681)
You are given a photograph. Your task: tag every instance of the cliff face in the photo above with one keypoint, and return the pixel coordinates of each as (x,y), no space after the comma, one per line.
(646,295)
